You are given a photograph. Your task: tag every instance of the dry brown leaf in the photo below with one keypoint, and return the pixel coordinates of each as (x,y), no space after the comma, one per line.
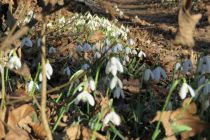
(39,130)
(187,23)
(81,132)
(186,115)
(2,131)
(97,36)
(17,134)
(131,85)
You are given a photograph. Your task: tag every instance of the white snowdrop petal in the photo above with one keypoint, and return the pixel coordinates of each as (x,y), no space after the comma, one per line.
(120,84)
(148,74)
(114,70)
(177,66)
(26,42)
(115,119)
(113,82)
(40,77)
(156,73)
(183,91)
(192,92)
(106,119)
(127,50)
(90,99)
(163,73)
(92,84)
(52,50)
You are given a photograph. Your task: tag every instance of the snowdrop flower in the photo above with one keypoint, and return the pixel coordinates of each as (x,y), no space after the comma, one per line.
(111,117)
(85,97)
(204,65)
(32,84)
(86,47)
(148,74)
(117,48)
(91,83)
(113,66)
(178,66)
(49,25)
(26,42)
(127,50)
(131,42)
(206,88)
(1,68)
(79,48)
(38,42)
(106,42)
(118,92)
(121,14)
(85,66)
(14,62)
(134,52)
(61,20)
(184,90)
(96,47)
(158,73)
(97,55)
(49,71)
(186,66)
(116,81)
(105,49)
(67,71)
(141,54)
(52,50)
(127,58)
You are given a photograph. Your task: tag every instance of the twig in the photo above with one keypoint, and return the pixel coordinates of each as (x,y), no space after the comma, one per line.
(44,86)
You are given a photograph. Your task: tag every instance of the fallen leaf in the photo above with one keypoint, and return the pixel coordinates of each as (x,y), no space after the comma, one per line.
(97,36)
(23,71)
(187,23)
(131,85)
(38,130)
(81,132)
(182,117)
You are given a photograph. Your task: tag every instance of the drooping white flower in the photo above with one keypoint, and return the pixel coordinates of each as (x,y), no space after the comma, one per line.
(113,66)
(52,50)
(91,83)
(32,84)
(111,117)
(85,97)
(61,20)
(127,50)
(14,62)
(117,48)
(118,92)
(184,90)
(79,49)
(204,65)
(38,42)
(1,68)
(49,25)
(127,58)
(141,54)
(131,42)
(186,66)
(148,74)
(116,81)
(134,52)
(159,72)
(121,13)
(97,55)
(206,88)
(86,47)
(96,47)
(85,66)
(178,66)
(49,71)
(26,42)
(67,71)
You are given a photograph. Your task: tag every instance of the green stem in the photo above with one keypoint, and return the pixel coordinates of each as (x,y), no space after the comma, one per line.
(157,131)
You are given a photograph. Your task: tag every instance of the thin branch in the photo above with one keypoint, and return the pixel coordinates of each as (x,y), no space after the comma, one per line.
(44,86)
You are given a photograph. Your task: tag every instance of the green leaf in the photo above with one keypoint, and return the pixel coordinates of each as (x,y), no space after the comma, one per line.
(177,129)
